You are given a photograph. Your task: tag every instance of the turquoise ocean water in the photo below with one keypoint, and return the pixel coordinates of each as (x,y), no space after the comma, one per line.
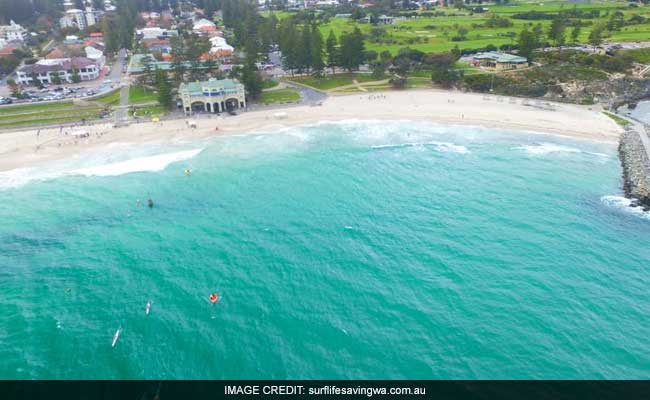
(352,250)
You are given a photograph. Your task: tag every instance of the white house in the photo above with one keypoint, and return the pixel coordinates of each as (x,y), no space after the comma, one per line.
(12,32)
(220,47)
(96,55)
(91,18)
(81,19)
(156,32)
(46,70)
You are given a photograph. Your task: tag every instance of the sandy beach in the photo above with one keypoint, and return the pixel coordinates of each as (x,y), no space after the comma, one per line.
(26,148)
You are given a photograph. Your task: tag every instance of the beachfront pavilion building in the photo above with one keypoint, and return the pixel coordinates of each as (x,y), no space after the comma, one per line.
(499,61)
(212,96)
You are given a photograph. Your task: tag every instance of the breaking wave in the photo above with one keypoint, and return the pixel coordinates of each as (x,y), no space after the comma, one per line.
(624,204)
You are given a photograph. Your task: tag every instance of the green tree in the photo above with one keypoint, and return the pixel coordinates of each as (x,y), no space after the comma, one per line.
(557,32)
(317,63)
(75,77)
(378,70)
(352,50)
(164,88)
(575,33)
(56,79)
(305,53)
(596,35)
(35,80)
(462,32)
(178,58)
(14,88)
(252,81)
(332,50)
(538,34)
(527,43)
(147,66)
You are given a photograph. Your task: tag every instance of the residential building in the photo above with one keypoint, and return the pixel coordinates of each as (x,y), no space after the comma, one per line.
(91,18)
(213,96)
(9,48)
(155,33)
(162,46)
(46,70)
(498,61)
(204,27)
(93,53)
(220,48)
(12,32)
(76,18)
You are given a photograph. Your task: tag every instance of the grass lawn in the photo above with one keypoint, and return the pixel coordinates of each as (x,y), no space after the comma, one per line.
(416,82)
(280,96)
(139,94)
(149,111)
(622,122)
(640,55)
(435,33)
(46,116)
(110,99)
(34,108)
(328,82)
(270,83)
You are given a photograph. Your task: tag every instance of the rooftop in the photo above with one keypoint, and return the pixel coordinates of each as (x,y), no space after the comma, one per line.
(499,57)
(212,84)
(61,64)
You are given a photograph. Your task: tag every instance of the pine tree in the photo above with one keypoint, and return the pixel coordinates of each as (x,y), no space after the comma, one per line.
(252,81)
(332,51)
(596,35)
(526,43)
(305,54)
(575,33)
(164,88)
(556,31)
(352,50)
(178,57)
(75,77)
(317,63)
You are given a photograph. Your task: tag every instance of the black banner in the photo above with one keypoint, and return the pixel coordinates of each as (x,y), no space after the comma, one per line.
(323,390)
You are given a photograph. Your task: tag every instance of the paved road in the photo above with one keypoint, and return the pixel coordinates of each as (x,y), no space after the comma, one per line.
(309,96)
(122,113)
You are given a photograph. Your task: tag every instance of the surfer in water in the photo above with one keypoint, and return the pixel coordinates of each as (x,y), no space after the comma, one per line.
(150,203)
(116,336)
(214,298)
(147,308)
(188,172)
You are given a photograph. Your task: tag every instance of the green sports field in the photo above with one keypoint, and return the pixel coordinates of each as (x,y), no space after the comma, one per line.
(436,33)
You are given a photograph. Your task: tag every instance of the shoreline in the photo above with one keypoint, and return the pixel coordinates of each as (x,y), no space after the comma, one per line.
(28,148)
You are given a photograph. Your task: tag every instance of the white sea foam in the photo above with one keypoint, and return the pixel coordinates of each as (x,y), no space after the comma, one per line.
(546,148)
(143,164)
(440,146)
(624,204)
(92,165)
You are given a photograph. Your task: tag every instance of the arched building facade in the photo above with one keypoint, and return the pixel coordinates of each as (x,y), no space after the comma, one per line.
(212,96)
